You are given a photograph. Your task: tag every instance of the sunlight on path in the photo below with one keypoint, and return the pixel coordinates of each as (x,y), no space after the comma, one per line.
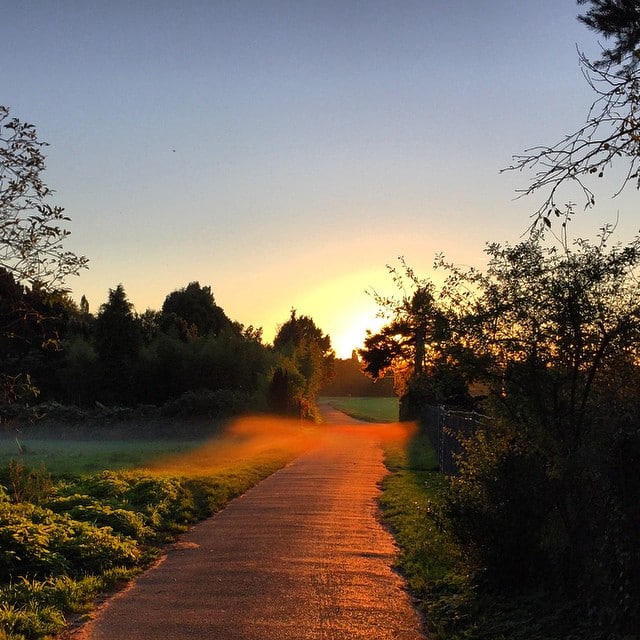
(301,556)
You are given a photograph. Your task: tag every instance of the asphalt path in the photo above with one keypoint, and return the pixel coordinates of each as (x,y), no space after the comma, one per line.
(302,555)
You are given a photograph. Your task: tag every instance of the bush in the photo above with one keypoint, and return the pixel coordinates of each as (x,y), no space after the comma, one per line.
(501,510)
(38,542)
(219,403)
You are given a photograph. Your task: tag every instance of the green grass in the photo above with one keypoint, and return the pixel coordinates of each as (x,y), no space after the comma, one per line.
(89,456)
(429,561)
(369,409)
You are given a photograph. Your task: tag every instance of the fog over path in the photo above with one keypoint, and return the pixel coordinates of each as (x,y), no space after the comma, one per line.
(300,556)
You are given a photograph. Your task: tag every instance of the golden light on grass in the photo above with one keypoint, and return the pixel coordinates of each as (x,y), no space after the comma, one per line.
(246,441)
(269,441)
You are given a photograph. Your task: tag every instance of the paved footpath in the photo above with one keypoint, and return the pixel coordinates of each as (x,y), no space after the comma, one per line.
(300,556)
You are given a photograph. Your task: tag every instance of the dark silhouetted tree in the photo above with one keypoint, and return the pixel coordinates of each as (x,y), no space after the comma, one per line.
(32,235)
(416,347)
(306,363)
(118,339)
(617,20)
(192,312)
(33,323)
(557,329)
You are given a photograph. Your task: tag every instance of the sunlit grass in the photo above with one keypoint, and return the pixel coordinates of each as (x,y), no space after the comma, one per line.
(246,441)
(369,409)
(251,440)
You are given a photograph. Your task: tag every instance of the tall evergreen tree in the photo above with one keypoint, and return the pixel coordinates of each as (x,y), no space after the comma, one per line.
(118,339)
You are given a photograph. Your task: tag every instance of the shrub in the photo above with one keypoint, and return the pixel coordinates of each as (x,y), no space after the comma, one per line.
(500,509)
(88,549)
(123,521)
(219,403)
(37,542)
(25,541)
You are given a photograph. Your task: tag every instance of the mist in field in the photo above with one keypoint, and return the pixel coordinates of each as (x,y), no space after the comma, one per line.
(270,439)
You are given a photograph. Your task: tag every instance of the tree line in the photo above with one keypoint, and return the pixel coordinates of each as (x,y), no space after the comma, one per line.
(189,355)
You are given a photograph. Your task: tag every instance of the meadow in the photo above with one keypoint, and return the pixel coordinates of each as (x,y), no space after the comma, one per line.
(370,409)
(89,456)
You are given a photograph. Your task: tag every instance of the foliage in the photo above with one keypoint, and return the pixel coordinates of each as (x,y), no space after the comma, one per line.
(454,604)
(501,509)
(559,332)
(62,354)
(545,499)
(33,261)
(118,340)
(33,323)
(32,230)
(305,366)
(220,403)
(192,312)
(417,346)
(617,20)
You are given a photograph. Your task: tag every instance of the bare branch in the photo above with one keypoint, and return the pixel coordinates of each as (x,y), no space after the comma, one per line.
(611,132)
(32,231)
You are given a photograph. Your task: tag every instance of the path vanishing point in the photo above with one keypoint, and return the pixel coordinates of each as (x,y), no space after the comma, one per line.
(301,556)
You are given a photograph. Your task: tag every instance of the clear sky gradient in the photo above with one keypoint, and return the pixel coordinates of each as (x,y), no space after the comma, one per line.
(283,152)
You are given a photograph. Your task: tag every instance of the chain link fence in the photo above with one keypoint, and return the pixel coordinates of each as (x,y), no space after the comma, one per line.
(446,429)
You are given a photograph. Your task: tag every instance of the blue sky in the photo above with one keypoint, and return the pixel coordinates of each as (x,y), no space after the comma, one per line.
(283,152)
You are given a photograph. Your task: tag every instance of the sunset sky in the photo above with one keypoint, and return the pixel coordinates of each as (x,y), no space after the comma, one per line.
(283,152)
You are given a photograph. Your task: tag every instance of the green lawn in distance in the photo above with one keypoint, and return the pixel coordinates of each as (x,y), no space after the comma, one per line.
(369,409)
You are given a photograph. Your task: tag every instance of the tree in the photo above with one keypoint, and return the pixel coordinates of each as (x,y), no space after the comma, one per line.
(306,364)
(118,340)
(193,312)
(611,130)
(618,20)
(32,232)
(33,323)
(415,346)
(557,330)
(32,253)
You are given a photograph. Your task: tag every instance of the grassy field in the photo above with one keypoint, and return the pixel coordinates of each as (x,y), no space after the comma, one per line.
(90,456)
(370,409)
